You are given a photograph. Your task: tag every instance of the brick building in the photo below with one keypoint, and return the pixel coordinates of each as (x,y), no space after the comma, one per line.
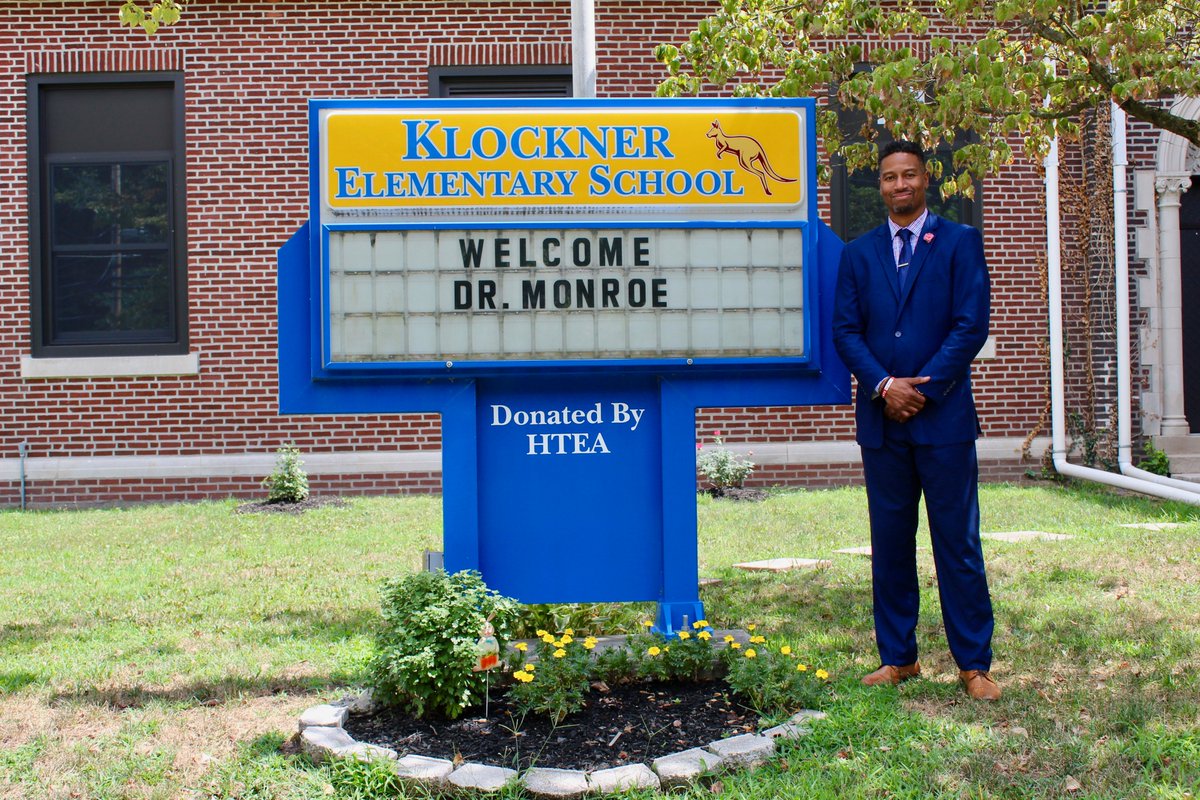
(168,392)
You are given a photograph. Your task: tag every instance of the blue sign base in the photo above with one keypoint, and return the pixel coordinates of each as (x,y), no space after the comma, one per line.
(561,485)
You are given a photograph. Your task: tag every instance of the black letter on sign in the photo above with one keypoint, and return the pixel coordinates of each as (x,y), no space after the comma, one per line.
(462,295)
(547,259)
(581,252)
(610,251)
(641,251)
(501,253)
(472,251)
(562,294)
(487,294)
(637,293)
(658,292)
(533,294)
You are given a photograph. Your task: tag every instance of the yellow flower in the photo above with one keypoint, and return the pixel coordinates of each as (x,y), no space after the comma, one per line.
(542,632)
(802,668)
(566,639)
(653,651)
(728,638)
(700,623)
(750,653)
(589,642)
(786,650)
(822,674)
(529,667)
(757,639)
(647,623)
(705,635)
(684,635)
(666,649)
(735,645)
(569,631)
(548,639)
(522,676)
(751,626)
(521,646)
(559,653)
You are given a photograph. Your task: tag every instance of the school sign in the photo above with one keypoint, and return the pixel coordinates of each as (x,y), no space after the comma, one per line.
(565,283)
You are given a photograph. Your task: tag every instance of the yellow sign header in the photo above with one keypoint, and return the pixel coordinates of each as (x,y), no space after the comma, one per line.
(431,158)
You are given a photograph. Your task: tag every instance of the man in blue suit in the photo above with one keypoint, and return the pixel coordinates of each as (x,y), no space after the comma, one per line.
(911,313)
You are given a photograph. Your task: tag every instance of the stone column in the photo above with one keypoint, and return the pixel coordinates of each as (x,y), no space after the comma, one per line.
(1170,188)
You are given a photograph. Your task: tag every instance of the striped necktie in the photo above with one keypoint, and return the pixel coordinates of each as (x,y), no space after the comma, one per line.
(906,252)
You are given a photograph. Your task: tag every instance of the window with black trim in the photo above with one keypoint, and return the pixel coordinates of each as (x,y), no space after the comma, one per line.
(855,203)
(501,81)
(106,178)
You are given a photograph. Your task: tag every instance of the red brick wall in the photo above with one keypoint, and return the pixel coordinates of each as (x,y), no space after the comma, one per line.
(247,170)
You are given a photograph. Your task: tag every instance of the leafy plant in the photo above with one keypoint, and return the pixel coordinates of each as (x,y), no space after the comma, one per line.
(584,618)
(771,678)
(425,650)
(288,483)
(688,656)
(723,468)
(1155,460)
(557,684)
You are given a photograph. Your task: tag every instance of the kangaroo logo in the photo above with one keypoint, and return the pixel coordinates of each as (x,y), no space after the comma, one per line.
(750,155)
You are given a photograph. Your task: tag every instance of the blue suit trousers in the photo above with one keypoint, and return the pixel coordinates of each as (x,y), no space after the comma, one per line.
(897,475)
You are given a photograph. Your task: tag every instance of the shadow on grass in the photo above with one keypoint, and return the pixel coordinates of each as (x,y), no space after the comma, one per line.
(322,625)
(201,693)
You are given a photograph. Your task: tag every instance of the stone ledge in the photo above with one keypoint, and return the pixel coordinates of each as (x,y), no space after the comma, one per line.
(326,716)
(620,779)
(748,750)
(424,772)
(685,768)
(322,737)
(481,777)
(556,783)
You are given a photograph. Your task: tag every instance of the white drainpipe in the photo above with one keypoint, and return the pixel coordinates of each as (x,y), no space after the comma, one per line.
(1058,415)
(1121,269)
(583,47)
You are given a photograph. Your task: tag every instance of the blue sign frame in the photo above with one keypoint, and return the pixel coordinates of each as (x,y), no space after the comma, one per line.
(610,501)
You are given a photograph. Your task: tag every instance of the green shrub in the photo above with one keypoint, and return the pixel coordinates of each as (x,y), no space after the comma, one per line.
(584,618)
(557,684)
(288,483)
(772,679)
(425,651)
(1155,460)
(722,468)
(687,656)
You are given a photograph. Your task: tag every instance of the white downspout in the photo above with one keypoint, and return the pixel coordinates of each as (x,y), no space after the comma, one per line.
(1058,413)
(583,47)
(1121,270)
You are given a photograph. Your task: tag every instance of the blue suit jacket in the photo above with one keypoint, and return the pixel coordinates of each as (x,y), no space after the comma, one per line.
(935,328)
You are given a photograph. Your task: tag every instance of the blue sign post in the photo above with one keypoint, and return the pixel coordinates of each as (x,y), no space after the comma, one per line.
(565,284)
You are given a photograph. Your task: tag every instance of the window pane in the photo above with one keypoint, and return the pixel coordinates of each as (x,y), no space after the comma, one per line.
(111,204)
(116,293)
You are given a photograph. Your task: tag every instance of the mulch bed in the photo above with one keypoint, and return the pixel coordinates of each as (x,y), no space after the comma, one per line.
(624,724)
(308,504)
(738,493)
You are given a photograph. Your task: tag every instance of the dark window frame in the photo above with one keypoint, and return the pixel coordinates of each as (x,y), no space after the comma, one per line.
(552,80)
(175,339)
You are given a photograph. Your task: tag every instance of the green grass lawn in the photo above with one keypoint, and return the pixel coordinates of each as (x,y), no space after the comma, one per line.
(166,651)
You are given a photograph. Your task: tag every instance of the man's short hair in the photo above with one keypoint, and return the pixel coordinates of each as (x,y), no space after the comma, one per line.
(901,146)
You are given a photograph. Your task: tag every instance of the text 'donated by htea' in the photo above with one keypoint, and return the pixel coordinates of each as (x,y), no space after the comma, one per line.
(568,430)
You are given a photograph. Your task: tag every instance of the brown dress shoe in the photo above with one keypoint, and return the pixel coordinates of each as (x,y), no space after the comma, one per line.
(891,675)
(979,684)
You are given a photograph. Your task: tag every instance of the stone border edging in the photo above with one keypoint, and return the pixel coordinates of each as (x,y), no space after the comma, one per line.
(323,736)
